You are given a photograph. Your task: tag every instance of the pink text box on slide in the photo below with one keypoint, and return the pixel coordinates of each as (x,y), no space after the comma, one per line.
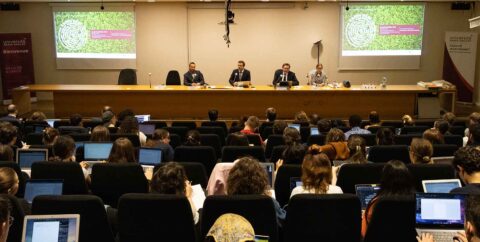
(399,29)
(110,34)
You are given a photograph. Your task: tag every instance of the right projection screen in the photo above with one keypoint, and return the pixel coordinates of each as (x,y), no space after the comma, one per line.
(381,36)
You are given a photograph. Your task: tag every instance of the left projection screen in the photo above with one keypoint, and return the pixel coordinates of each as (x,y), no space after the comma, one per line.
(95,39)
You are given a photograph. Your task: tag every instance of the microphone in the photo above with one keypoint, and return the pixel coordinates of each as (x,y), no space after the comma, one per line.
(280,78)
(235,77)
(150,79)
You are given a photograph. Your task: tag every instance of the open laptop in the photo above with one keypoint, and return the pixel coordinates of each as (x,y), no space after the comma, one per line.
(95,151)
(269,168)
(143,118)
(440,186)
(314,131)
(51,228)
(149,157)
(295,182)
(366,192)
(35,187)
(296,126)
(440,214)
(147,129)
(51,122)
(26,157)
(38,129)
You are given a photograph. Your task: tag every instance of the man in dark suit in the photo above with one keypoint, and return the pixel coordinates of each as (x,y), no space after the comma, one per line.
(284,75)
(11,114)
(193,77)
(240,74)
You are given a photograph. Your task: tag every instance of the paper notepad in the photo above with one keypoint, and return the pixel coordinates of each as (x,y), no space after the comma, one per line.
(198,196)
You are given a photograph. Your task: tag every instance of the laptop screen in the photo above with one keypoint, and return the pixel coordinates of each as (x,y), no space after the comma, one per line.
(314,131)
(147,128)
(38,129)
(295,182)
(97,151)
(296,126)
(51,228)
(143,118)
(78,144)
(366,192)
(25,158)
(149,157)
(269,168)
(440,186)
(442,210)
(51,122)
(34,188)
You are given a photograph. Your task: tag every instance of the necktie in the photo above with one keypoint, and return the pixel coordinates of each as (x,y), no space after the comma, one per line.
(240,76)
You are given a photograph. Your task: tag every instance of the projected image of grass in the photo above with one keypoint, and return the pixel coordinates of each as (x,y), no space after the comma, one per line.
(382,27)
(95,32)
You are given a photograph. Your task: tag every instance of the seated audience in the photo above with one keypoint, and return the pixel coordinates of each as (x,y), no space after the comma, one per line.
(434,136)
(324,126)
(467,165)
(213,115)
(355,122)
(279,126)
(314,118)
(407,120)
(109,119)
(316,176)
(192,138)
(251,125)
(100,134)
(12,113)
(396,180)
(6,153)
(443,127)
(358,149)
(129,125)
(49,136)
(6,220)
(295,150)
(237,139)
(450,118)
(172,179)
(8,136)
(474,135)
(385,136)
(125,113)
(335,146)
(76,120)
(63,149)
(38,116)
(421,151)
(161,139)
(271,114)
(374,120)
(8,181)
(301,117)
(122,152)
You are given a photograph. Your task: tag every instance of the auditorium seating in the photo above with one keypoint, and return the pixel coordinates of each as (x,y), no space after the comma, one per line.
(254,139)
(173,78)
(158,124)
(405,139)
(414,129)
(18,214)
(127,77)
(219,131)
(189,124)
(385,153)
(350,175)
(422,172)
(282,182)
(273,140)
(213,141)
(277,153)
(221,124)
(231,153)
(179,130)
(175,140)
(316,139)
(444,150)
(132,137)
(374,129)
(370,139)
(70,172)
(202,154)
(195,172)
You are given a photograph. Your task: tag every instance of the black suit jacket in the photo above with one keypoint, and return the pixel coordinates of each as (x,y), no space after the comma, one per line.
(290,77)
(188,78)
(235,76)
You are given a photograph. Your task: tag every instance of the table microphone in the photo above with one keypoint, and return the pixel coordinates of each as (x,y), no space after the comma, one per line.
(150,79)
(235,77)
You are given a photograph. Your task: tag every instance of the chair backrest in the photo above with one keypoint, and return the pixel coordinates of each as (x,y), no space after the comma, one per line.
(332,217)
(32,126)
(267,131)
(254,139)
(444,150)
(60,123)
(175,140)
(316,139)
(385,153)
(405,139)
(374,129)
(231,153)
(263,126)
(195,172)
(34,139)
(202,154)
(248,206)
(213,141)
(234,129)
(370,139)
(273,140)
(155,217)
(94,224)
(18,214)
(393,219)
(67,130)
(422,172)
(70,172)
(395,124)
(282,182)
(277,153)
(80,137)
(127,77)
(428,123)
(110,181)
(188,124)
(350,175)
(132,137)
(415,129)
(173,78)
(22,177)
(92,123)
(179,130)
(158,124)
(221,124)
(454,140)
(213,130)
(304,133)
(457,130)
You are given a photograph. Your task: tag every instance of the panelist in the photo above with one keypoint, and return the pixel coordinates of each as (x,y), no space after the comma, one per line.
(193,77)
(239,75)
(317,76)
(284,75)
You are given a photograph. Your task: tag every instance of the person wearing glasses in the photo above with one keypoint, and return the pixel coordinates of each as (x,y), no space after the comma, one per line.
(317,76)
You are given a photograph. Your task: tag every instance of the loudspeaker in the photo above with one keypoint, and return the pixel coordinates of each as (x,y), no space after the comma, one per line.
(9,6)
(347,84)
(461,6)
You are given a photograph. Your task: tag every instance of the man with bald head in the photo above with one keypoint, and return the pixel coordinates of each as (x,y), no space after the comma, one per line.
(11,113)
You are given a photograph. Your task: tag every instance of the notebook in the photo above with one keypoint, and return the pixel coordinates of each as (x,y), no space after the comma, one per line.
(295,182)
(296,126)
(143,118)
(440,186)
(147,129)
(440,214)
(97,150)
(149,156)
(34,188)
(269,168)
(366,192)
(314,131)
(51,228)
(26,157)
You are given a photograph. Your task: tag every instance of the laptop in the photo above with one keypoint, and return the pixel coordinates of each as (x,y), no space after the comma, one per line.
(51,228)
(79,144)
(38,129)
(269,168)
(296,126)
(51,122)
(94,151)
(314,131)
(143,118)
(440,214)
(147,129)
(366,192)
(295,182)
(26,157)
(440,186)
(149,156)
(35,187)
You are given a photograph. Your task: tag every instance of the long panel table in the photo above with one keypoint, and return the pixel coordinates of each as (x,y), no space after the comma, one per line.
(181,102)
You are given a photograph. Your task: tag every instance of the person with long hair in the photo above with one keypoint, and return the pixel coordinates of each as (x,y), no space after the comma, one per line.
(335,145)
(421,151)
(161,139)
(100,134)
(49,135)
(396,181)
(122,152)
(129,125)
(295,150)
(385,136)
(358,149)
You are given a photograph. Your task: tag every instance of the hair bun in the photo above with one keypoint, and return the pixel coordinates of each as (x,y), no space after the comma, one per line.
(426,158)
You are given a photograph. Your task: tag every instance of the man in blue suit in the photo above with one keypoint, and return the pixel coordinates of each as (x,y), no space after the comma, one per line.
(284,75)
(239,75)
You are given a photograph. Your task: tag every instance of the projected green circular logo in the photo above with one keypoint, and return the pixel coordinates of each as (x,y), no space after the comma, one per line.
(73,35)
(360,30)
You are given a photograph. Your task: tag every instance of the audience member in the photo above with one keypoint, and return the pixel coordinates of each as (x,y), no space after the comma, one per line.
(295,150)
(8,181)
(443,127)
(467,165)
(213,115)
(38,116)
(237,139)
(49,136)
(358,149)
(314,118)
(125,113)
(271,114)
(396,181)
(192,138)
(385,136)
(5,219)
(76,120)
(231,227)
(11,114)
(161,139)
(109,119)
(100,134)
(421,151)
(63,149)
(374,120)
(434,136)
(122,152)
(316,176)
(407,120)
(301,117)
(251,125)
(6,153)
(172,179)
(450,118)
(335,146)
(324,126)
(474,135)
(355,122)
(8,134)
(279,126)
(129,125)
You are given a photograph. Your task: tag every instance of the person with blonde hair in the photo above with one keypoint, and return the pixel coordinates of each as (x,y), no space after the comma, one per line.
(407,120)
(421,151)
